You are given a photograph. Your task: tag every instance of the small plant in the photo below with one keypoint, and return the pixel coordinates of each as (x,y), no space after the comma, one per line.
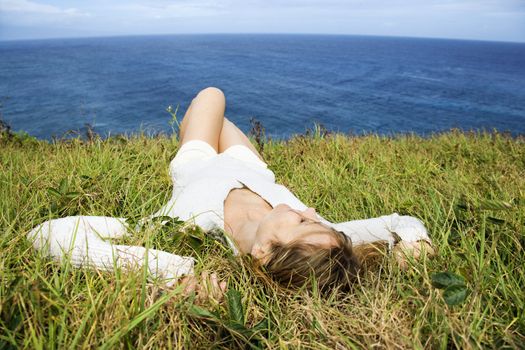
(91,135)
(62,197)
(174,120)
(234,321)
(319,131)
(258,132)
(173,234)
(5,129)
(465,207)
(454,288)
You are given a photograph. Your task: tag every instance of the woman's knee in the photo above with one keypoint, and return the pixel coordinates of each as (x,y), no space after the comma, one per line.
(211,93)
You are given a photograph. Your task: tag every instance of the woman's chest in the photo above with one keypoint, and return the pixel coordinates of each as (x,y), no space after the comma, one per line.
(239,201)
(239,197)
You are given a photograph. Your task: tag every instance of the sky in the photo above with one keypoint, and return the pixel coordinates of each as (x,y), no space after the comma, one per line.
(498,20)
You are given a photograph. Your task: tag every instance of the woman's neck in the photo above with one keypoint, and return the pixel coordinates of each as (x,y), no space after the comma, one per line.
(243,211)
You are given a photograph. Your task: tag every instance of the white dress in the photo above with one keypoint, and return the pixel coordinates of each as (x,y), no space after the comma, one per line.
(201,184)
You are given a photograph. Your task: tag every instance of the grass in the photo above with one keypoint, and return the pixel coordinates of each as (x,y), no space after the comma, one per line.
(468,188)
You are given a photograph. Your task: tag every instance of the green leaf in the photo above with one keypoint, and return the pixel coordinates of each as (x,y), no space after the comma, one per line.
(483,204)
(262,325)
(195,243)
(463,204)
(446,279)
(235,306)
(62,188)
(167,221)
(201,312)
(488,204)
(237,327)
(72,195)
(54,192)
(496,221)
(455,295)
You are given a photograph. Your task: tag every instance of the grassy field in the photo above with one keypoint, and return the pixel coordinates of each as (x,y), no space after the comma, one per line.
(469,189)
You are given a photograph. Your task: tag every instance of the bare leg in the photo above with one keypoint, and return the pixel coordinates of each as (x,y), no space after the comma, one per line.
(231,135)
(204,118)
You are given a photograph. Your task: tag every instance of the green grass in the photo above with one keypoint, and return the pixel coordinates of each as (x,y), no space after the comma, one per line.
(469,189)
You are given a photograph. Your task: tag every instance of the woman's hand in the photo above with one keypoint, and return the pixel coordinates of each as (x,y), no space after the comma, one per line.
(204,286)
(404,250)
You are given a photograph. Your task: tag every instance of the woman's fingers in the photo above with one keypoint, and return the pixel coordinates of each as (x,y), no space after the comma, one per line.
(403,251)
(204,278)
(189,283)
(214,281)
(213,289)
(218,288)
(204,286)
(223,285)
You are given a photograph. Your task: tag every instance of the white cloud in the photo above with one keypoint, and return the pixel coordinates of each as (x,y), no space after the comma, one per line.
(448,18)
(35,8)
(381,6)
(163,9)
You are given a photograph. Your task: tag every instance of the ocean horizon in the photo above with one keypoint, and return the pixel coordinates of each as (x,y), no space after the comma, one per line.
(288,82)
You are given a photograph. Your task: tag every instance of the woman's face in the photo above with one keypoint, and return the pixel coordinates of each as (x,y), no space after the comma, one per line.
(284,224)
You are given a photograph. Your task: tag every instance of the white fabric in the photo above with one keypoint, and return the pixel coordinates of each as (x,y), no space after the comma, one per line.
(80,240)
(200,150)
(202,180)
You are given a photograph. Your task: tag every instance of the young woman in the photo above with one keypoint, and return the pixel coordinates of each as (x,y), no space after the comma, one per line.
(222,182)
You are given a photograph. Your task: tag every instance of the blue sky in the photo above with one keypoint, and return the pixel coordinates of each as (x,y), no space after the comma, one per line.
(470,19)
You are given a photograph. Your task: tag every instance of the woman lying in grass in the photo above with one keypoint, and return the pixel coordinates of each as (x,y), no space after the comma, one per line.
(221,181)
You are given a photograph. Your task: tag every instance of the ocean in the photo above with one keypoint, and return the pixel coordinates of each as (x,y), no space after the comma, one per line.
(349,84)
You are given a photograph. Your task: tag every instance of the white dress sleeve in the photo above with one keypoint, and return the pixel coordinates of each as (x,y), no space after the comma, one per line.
(80,240)
(390,228)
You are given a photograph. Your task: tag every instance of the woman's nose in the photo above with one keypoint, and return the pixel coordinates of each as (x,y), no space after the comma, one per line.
(310,213)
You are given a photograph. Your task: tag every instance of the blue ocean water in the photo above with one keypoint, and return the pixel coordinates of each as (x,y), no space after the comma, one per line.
(288,82)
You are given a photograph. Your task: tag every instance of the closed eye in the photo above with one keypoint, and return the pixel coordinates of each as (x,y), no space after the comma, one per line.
(303,219)
(307,220)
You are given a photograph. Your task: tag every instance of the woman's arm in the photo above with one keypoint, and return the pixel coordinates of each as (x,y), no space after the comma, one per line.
(392,228)
(406,235)
(80,240)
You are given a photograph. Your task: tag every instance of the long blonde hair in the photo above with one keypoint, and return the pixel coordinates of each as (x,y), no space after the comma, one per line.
(294,264)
